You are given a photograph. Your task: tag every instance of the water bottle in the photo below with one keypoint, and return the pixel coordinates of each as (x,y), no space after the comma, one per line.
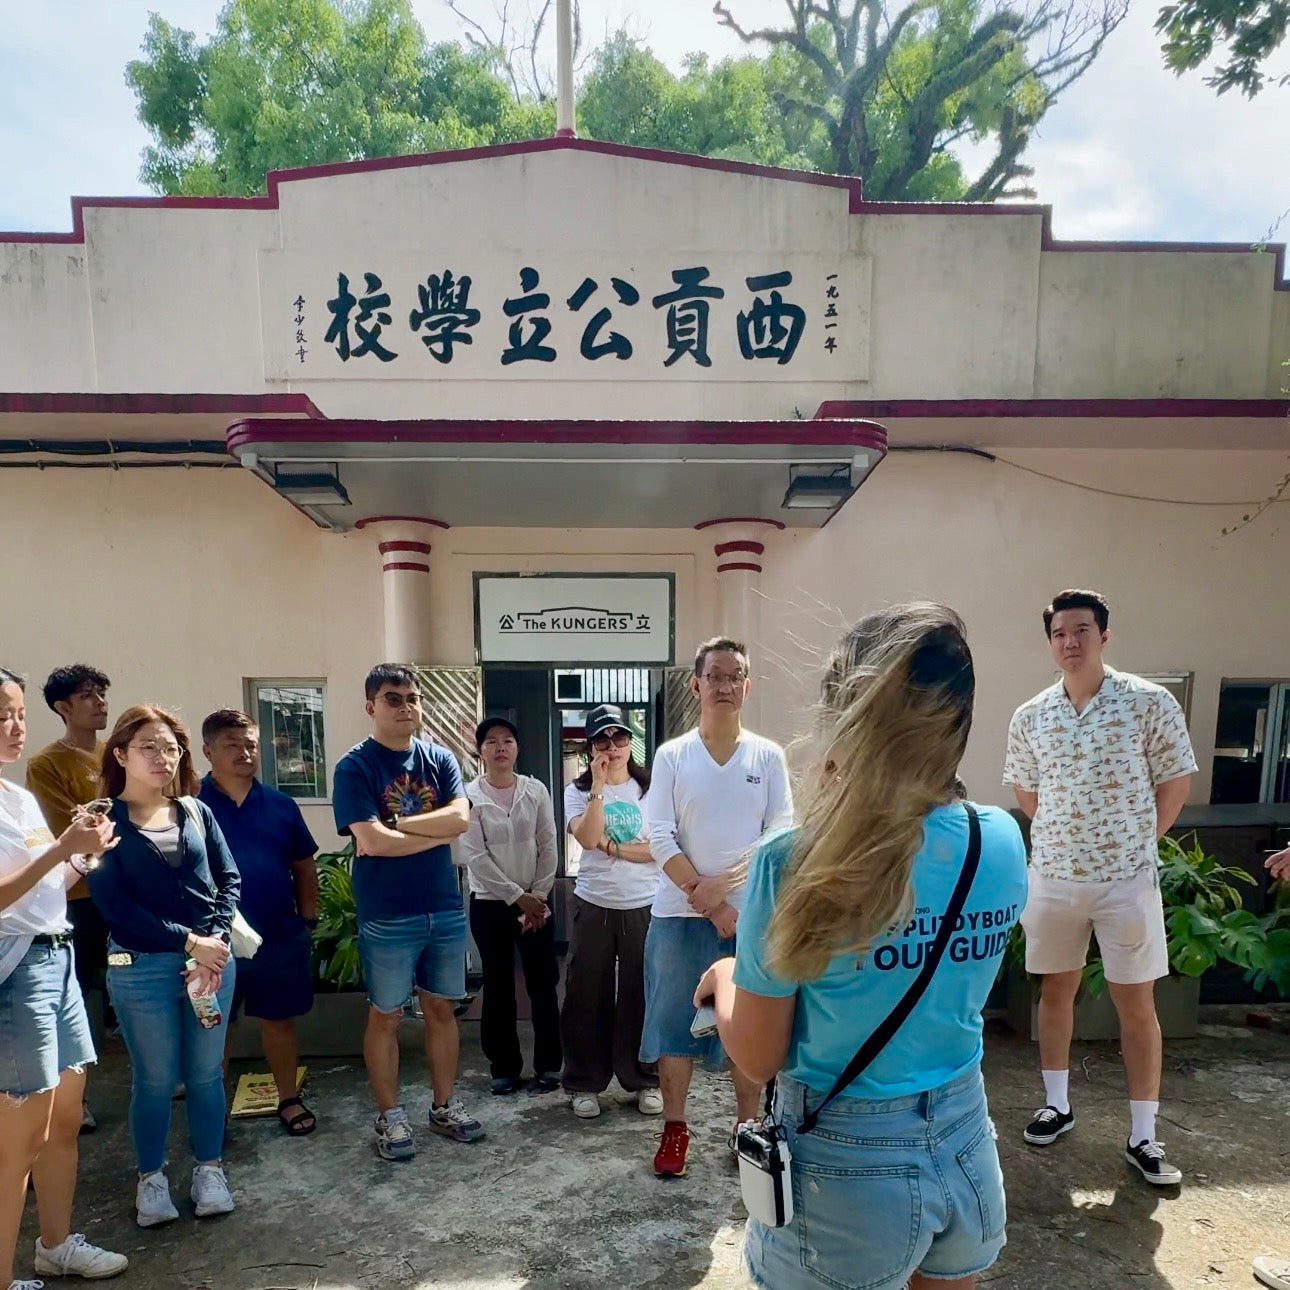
(206,1006)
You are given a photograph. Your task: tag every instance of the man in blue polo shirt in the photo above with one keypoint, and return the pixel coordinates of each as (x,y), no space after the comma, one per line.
(401,799)
(274,851)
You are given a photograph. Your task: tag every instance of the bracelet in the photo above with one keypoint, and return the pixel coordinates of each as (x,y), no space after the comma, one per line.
(81,869)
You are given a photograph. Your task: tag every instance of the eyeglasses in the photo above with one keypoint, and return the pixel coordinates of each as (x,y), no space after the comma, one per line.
(395,700)
(601,743)
(159,752)
(718,679)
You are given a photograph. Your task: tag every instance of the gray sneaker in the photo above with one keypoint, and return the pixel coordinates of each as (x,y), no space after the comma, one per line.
(76,1257)
(152,1203)
(394,1135)
(210,1193)
(453,1122)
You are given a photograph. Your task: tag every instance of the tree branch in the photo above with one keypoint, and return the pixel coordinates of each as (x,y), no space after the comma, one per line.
(795,39)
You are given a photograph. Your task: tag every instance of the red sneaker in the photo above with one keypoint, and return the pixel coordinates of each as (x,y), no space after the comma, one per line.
(669,1159)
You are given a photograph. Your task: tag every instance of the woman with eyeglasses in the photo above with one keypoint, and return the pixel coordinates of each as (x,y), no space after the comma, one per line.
(45,1042)
(168,893)
(604,999)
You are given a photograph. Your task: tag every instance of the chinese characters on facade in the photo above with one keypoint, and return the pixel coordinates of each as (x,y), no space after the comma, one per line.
(611,320)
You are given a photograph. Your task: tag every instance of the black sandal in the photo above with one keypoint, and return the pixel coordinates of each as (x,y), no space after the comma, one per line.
(301,1125)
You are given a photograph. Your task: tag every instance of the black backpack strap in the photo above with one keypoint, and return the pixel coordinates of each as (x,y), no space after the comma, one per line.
(881,1036)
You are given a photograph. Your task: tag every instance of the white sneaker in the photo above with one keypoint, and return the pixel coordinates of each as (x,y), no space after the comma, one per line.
(649,1101)
(1272,1271)
(394,1135)
(209,1192)
(76,1257)
(26,1285)
(586,1106)
(152,1203)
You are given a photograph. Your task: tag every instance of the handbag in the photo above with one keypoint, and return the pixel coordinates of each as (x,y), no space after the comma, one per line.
(762,1147)
(243,939)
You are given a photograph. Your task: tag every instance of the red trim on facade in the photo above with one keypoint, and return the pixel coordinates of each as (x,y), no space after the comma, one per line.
(738,564)
(420,548)
(168,404)
(397,519)
(741,519)
(834,409)
(725,548)
(850,433)
(408,565)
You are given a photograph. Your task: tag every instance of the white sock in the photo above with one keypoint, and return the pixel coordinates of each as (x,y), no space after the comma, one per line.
(1056,1084)
(1142,1121)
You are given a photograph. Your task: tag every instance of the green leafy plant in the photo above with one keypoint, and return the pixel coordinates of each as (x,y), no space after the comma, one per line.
(336,936)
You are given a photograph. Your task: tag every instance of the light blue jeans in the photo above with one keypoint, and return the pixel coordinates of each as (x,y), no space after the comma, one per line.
(883,1189)
(166,1045)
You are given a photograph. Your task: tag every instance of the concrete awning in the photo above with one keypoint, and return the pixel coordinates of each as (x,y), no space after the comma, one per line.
(561,474)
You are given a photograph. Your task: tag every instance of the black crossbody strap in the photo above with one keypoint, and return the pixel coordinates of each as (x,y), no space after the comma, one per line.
(879,1039)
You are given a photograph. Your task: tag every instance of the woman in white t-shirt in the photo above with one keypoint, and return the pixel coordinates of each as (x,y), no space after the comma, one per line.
(45,1040)
(604,999)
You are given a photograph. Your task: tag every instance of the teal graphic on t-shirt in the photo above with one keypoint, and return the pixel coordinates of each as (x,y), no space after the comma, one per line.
(623,822)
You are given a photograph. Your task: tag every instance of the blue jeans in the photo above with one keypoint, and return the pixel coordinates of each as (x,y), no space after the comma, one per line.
(423,950)
(883,1189)
(166,1045)
(678,951)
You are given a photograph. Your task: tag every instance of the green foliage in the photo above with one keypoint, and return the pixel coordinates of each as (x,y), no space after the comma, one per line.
(336,936)
(1251,30)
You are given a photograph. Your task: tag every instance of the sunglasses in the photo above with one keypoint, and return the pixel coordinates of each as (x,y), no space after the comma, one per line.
(602,743)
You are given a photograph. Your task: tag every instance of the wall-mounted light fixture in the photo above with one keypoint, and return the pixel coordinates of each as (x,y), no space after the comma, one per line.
(818,486)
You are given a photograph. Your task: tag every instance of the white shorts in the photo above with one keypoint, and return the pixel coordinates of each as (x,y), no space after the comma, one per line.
(1125,914)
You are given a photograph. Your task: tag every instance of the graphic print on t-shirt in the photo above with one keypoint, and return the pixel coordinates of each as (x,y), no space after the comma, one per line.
(623,821)
(409,795)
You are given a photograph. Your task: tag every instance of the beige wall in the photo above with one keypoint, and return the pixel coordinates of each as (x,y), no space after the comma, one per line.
(181,583)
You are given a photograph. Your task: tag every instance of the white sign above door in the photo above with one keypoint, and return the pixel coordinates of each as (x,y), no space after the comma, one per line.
(574,619)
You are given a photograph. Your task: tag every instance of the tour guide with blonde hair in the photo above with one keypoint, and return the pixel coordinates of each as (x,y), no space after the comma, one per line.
(901,1185)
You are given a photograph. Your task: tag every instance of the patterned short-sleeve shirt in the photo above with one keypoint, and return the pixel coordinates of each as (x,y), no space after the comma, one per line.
(1096,773)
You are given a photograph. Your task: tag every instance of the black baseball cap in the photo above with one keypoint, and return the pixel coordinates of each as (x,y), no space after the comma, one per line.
(607,716)
(488,723)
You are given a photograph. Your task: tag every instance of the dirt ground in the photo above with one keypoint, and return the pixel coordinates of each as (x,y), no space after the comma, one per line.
(548,1201)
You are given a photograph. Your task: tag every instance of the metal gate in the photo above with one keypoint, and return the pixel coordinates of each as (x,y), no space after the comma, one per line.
(452,702)
(680,703)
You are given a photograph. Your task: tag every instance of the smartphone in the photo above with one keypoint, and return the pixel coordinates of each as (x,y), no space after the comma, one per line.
(705,1022)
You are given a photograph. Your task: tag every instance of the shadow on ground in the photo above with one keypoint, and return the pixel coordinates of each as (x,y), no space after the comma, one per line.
(548,1202)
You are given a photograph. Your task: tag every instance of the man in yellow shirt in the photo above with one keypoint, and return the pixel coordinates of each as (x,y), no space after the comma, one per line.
(62,777)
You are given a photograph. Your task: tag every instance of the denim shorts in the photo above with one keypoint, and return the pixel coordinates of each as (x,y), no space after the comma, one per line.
(43,1027)
(425,950)
(678,951)
(278,982)
(883,1189)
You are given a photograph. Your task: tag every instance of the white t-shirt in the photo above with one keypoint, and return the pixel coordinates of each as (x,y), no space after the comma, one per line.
(24,835)
(602,879)
(713,814)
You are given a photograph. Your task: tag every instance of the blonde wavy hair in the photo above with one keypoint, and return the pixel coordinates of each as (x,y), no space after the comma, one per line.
(897,708)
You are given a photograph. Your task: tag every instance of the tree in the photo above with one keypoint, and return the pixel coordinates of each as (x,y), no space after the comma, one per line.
(1251,29)
(894,91)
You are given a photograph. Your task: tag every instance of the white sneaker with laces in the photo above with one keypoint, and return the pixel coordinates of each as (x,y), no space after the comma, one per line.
(1272,1271)
(393,1134)
(586,1106)
(152,1203)
(76,1257)
(210,1193)
(649,1101)
(26,1285)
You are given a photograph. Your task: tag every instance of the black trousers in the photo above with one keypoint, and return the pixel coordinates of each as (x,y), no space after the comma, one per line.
(604,1000)
(496,929)
(89,941)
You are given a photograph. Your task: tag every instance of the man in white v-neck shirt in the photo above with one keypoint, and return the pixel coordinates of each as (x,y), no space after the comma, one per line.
(713,793)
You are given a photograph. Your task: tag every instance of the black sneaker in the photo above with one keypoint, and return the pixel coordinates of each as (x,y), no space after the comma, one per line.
(1149,1159)
(505,1084)
(1048,1125)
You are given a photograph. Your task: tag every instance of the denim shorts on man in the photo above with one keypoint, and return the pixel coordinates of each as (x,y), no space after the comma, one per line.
(883,1189)
(425,950)
(678,951)
(278,981)
(43,1027)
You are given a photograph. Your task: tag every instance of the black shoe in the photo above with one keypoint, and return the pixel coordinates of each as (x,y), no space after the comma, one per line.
(544,1082)
(1149,1159)
(505,1084)
(1048,1125)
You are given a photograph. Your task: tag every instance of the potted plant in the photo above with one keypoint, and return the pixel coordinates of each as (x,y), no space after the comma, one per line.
(1205,924)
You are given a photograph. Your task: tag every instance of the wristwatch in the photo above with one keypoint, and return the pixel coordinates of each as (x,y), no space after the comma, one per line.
(595,797)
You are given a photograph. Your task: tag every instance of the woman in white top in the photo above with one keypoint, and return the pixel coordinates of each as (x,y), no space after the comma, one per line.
(45,1040)
(604,994)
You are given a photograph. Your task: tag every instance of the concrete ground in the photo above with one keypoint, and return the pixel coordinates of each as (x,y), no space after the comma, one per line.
(548,1201)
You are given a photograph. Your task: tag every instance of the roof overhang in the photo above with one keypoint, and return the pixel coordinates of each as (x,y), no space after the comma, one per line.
(559,474)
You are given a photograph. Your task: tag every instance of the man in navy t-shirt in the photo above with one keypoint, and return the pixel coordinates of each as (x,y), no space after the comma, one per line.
(401,799)
(274,851)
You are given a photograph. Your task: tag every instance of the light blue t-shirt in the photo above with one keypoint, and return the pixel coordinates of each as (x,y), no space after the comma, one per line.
(941,1038)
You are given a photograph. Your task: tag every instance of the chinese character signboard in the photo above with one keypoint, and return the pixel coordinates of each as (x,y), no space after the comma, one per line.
(443,313)
(574,619)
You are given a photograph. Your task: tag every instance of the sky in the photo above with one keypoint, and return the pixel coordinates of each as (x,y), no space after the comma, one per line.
(1130,152)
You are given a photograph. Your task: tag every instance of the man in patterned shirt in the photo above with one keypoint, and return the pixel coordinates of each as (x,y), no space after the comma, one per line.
(1101,762)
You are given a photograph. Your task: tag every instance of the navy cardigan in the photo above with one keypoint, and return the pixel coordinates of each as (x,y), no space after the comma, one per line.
(149,906)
